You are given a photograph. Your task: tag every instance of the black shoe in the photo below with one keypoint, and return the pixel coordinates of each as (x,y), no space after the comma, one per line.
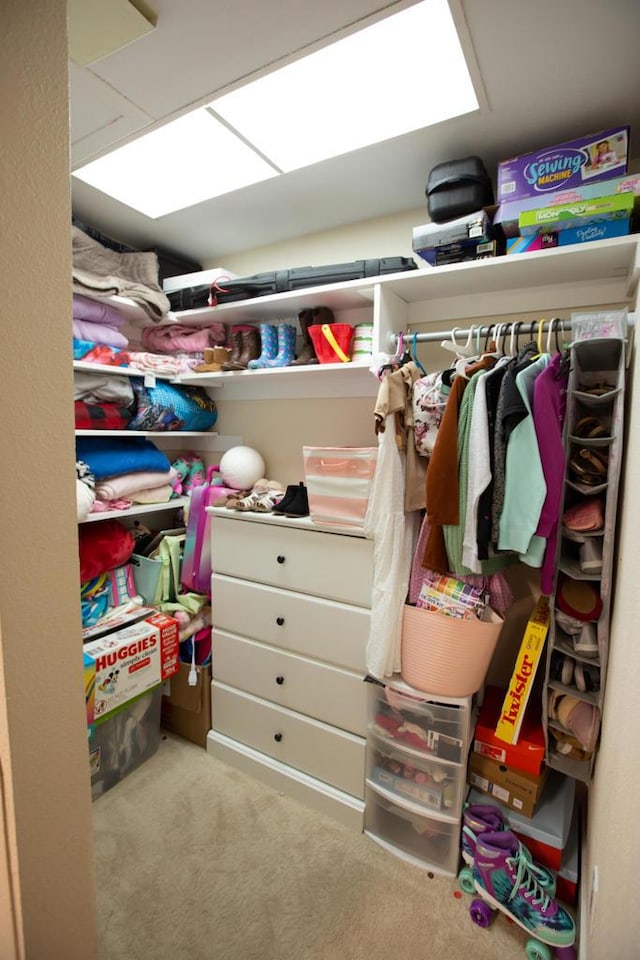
(299,506)
(290,494)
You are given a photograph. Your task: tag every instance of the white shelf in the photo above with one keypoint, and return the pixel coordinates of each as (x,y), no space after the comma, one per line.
(153,434)
(139,508)
(314,380)
(111,370)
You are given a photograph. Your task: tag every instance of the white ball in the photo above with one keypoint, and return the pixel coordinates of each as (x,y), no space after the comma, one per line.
(241,467)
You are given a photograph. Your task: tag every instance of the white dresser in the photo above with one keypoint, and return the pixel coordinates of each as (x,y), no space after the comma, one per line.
(291,608)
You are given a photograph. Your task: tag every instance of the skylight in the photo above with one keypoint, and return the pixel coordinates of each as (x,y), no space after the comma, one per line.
(398,75)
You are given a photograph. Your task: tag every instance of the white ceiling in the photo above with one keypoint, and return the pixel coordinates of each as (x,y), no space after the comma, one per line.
(551,70)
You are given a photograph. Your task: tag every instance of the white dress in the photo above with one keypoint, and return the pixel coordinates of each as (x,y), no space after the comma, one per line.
(393,534)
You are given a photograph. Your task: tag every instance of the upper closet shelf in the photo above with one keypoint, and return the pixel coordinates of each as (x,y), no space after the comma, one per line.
(313,380)
(113,371)
(151,434)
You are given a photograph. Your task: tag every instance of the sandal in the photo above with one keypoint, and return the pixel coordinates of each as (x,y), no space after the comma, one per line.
(598,389)
(267,501)
(590,428)
(590,467)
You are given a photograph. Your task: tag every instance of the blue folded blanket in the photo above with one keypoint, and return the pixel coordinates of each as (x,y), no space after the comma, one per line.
(113,456)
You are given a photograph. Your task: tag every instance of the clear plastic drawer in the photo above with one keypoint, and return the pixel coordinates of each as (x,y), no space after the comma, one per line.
(423,840)
(429,726)
(431,783)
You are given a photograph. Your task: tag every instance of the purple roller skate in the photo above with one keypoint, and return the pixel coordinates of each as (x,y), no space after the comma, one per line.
(504,878)
(479,818)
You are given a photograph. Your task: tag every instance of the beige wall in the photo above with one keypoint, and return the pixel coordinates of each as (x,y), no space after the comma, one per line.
(46,804)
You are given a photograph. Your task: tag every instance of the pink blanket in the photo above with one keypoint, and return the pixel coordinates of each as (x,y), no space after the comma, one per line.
(124,487)
(84,308)
(183,338)
(98,333)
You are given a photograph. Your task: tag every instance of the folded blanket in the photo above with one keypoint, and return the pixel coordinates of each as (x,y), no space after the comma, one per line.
(154,363)
(101,506)
(125,485)
(101,416)
(98,333)
(104,273)
(153,495)
(113,456)
(183,338)
(91,352)
(97,311)
(99,388)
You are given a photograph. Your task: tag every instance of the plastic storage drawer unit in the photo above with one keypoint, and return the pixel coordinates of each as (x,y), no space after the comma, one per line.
(435,728)
(434,784)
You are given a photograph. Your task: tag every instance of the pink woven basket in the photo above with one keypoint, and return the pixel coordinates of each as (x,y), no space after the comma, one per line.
(446,656)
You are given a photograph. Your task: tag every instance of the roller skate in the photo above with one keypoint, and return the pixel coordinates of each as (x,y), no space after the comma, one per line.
(504,880)
(479,818)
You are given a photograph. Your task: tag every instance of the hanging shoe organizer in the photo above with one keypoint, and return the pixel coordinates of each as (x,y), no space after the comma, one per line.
(578,647)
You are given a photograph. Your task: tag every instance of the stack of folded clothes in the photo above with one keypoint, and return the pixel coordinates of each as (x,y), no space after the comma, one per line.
(102,402)
(97,332)
(126,471)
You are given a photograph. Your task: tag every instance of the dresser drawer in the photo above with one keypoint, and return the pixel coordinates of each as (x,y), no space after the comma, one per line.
(435,785)
(426,841)
(325,692)
(324,564)
(317,749)
(438,729)
(314,627)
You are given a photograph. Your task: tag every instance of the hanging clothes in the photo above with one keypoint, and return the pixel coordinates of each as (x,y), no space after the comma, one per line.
(525,487)
(395,398)
(549,408)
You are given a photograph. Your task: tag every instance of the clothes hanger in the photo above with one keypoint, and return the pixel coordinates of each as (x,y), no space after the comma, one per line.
(461,350)
(396,359)
(414,354)
(541,324)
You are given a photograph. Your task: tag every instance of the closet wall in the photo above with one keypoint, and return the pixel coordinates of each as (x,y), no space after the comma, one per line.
(46,879)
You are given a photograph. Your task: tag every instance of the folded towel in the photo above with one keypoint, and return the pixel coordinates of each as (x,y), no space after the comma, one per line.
(183,338)
(104,273)
(97,311)
(127,484)
(153,495)
(113,456)
(98,333)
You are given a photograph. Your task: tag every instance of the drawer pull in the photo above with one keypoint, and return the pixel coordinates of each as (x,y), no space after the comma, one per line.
(280,558)
(280,621)
(277,737)
(280,680)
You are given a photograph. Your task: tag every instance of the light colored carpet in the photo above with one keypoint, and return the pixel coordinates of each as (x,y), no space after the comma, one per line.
(198,861)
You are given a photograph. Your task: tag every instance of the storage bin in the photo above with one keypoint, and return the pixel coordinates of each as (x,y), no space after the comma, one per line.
(120,744)
(444,655)
(146,575)
(426,782)
(338,483)
(425,841)
(424,726)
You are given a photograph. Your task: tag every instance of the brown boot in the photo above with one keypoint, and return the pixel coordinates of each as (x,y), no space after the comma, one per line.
(249,349)
(307,354)
(235,342)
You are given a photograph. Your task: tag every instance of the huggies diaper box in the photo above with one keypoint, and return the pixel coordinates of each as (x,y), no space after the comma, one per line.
(131,661)
(566,165)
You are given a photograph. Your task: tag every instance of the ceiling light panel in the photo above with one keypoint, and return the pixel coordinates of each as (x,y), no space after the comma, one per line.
(183,163)
(398,75)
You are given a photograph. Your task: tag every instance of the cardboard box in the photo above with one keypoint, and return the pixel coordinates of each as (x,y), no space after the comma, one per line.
(563,238)
(546,833)
(132,661)
(115,619)
(186,710)
(524,672)
(564,216)
(512,788)
(508,213)
(462,252)
(589,159)
(527,754)
(475,227)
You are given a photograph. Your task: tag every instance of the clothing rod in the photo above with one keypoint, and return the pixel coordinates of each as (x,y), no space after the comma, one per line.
(521,329)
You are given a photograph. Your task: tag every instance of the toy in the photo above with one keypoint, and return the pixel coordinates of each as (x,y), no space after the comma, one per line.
(241,467)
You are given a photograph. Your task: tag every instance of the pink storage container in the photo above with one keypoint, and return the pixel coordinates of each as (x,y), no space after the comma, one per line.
(446,656)
(338,481)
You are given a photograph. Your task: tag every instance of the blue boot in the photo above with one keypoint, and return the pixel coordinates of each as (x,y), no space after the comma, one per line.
(269,347)
(286,346)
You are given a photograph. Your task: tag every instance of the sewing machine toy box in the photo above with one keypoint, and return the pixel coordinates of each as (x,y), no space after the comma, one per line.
(527,754)
(131,661)
(565,165)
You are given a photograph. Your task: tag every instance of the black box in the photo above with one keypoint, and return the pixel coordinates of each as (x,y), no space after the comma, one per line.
(458,187)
